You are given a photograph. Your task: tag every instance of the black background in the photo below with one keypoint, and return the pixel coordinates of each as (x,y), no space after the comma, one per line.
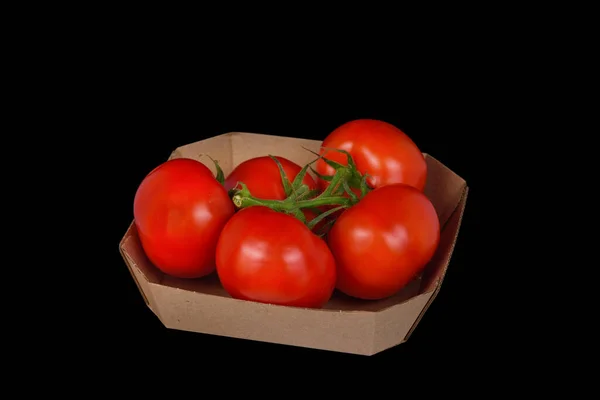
(115,104)
(143,124)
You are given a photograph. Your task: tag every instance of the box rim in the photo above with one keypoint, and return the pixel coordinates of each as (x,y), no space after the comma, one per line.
(124,255)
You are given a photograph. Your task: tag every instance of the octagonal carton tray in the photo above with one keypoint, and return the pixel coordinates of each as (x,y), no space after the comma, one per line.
(344,324)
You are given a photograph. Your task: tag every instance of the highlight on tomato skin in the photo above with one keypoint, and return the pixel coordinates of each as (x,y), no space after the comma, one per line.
(271,257)
(179,211)
(384,241)
(380,149)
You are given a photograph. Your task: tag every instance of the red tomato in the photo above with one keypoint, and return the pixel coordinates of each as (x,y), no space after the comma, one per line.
(179,211)
(261,176)
(384,241)
(270,257)
(378,148)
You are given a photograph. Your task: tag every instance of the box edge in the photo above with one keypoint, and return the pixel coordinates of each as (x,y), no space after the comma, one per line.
(145,296)
(460,207)
(127,263)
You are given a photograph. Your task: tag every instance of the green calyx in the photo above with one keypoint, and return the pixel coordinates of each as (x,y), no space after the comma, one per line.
(220,176)
(354,180)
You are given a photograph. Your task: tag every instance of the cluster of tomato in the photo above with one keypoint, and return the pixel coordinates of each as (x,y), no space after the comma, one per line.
(274,234)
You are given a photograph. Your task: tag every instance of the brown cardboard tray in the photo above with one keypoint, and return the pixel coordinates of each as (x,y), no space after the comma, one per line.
(344,324)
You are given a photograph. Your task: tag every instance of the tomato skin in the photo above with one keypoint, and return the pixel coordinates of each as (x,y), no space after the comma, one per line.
(270,257)
(378,148)
(262,177)
(179,211)
(384,241)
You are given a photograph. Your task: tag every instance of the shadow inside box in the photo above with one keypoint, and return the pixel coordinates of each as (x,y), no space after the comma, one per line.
(339,301)
(207,285)
(343,302)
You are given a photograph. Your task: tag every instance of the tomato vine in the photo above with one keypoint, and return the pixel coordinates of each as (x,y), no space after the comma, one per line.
(337,196)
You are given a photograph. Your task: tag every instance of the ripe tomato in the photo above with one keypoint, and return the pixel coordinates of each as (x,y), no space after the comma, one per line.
(261,176)
(381,243)
(179,210)
(270,257)
(378,148)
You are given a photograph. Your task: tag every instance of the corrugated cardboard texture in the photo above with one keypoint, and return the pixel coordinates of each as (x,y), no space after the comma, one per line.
(344,324)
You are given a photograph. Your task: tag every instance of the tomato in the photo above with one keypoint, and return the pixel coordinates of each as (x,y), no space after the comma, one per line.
(179,211)
(384,241)
(271,257)
(262,177)
(378,148)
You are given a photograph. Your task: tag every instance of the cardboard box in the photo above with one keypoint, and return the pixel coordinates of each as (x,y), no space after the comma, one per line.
(344,324)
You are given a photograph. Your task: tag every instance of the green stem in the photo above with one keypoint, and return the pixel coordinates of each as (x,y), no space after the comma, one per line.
(324,201)
(315,221)
(242,200)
